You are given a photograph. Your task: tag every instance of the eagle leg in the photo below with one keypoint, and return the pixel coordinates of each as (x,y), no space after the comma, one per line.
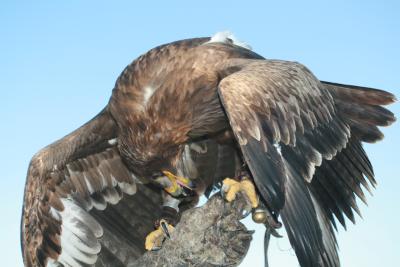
(165,225)
(231,187)
(155,239)
(260,213)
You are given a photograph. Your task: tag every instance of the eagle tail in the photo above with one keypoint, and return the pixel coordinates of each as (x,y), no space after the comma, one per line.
(361,108)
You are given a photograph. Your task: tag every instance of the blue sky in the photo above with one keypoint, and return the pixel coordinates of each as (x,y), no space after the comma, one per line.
(59,61)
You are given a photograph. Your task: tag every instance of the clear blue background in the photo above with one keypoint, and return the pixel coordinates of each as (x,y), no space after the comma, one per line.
(59,61)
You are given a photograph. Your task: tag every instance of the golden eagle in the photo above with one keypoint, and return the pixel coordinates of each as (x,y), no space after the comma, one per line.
(182,118)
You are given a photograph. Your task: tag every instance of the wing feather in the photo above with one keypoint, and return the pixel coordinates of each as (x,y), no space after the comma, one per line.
(73,190)
(281,101)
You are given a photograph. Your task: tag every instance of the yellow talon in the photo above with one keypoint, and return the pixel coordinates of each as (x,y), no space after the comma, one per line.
(155,239)
(231,187)
(176,182)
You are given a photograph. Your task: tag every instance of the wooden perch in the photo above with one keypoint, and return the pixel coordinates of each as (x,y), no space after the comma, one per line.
(211,235)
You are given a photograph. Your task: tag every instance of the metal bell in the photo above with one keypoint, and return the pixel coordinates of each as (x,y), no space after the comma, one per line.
(259,215)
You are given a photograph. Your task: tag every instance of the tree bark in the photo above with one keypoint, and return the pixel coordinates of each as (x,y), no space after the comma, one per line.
(211,235)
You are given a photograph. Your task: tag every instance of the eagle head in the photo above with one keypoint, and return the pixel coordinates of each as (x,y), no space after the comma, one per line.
(149,151)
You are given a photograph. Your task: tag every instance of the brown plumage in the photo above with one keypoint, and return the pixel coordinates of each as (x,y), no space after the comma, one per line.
(203,109)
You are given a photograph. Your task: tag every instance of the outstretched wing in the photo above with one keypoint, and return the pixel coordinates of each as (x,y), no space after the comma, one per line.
(301,141)
(82,206)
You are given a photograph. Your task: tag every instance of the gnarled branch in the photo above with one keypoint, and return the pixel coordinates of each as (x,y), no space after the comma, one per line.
(211,235)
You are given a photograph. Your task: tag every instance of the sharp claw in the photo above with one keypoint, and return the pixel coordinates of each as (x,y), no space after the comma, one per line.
(272,222)
(222,192)
(275,233)
(155,248)
(246,213)
(164,228)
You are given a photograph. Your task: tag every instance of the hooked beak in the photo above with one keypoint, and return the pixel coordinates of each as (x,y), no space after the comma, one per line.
(182,181)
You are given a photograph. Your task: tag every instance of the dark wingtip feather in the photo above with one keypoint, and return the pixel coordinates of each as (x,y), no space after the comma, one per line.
(365,132)
(361,94)
(388,97)
(387,117)
(394,98)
